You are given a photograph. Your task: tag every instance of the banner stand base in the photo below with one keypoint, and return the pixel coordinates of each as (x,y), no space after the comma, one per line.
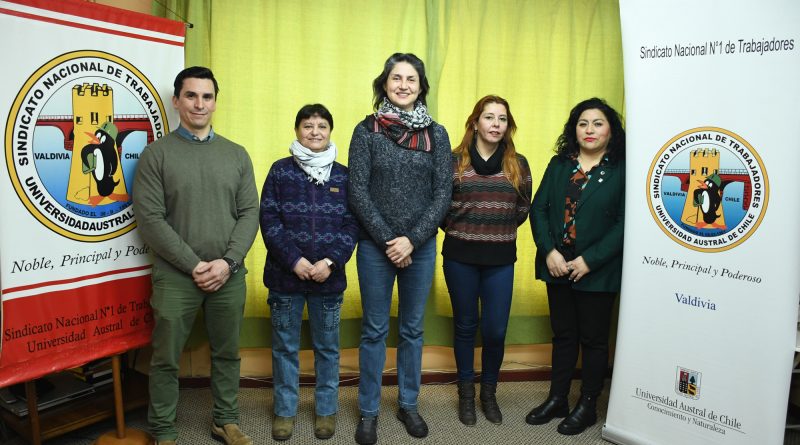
(122,435)
(130,437)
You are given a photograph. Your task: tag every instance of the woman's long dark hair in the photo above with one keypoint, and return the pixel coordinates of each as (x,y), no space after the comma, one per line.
(567,144)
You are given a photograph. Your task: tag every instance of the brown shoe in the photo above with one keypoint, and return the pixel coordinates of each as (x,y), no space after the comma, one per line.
(282,427)
(324,426)
(230,434)
(164,442)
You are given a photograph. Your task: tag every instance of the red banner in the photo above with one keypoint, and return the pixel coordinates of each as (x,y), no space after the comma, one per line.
(73,326)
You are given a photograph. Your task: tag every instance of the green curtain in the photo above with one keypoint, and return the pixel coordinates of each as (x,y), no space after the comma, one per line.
(271,57)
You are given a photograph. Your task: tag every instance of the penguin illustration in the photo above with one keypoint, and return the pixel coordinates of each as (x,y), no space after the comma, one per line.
(708,198)
(100,161)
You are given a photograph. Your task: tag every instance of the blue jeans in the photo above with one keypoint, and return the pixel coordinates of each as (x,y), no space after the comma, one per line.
(492,286)
(287,316)
(376,275)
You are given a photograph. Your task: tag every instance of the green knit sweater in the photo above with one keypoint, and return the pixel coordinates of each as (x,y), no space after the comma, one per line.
(195,201)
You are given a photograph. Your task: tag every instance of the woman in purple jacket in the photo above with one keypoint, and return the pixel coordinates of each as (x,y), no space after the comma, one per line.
(310,234)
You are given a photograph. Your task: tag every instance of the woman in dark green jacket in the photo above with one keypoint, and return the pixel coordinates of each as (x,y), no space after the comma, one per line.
(577,220)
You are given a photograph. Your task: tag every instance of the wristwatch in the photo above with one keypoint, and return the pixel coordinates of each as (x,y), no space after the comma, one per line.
(330,263)
(234,266)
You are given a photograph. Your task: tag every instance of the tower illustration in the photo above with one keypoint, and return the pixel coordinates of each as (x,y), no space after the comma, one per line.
(703,197)
(92,108)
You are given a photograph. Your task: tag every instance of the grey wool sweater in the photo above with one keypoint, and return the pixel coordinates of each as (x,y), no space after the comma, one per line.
(398,192)
(195,201)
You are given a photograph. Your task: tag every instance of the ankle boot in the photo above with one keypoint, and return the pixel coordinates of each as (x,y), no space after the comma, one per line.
(554,406)
(489,403)
(583,416)
(466,402)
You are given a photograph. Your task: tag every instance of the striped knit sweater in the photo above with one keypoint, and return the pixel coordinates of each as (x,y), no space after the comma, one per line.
(481,225)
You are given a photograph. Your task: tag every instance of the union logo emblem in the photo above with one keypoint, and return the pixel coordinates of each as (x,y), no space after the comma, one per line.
(73,137)
(708,189)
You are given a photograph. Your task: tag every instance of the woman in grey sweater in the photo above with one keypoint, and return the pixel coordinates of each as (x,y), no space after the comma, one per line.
(399,189)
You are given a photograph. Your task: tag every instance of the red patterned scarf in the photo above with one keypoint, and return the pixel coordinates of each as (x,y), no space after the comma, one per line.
(391,126)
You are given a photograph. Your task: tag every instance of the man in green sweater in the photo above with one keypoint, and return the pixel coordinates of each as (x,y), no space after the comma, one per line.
(196,206)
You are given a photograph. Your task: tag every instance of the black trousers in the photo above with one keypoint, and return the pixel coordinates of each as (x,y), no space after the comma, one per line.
(580,321)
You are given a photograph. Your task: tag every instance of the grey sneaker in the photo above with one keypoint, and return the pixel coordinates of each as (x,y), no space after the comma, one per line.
(230,434)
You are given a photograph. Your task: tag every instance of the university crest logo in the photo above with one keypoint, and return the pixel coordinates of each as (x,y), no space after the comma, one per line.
(687,383)
(707,189)
(73,138)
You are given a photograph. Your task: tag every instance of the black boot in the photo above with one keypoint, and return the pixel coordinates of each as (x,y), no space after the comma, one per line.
(415,424)
(367,431)
(466,402)
(583,416)
(489,403)
(554,406)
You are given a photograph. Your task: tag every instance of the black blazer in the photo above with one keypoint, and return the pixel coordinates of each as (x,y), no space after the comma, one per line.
(599,223)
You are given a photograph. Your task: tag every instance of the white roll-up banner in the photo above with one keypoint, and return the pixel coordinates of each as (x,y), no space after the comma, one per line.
(708,312)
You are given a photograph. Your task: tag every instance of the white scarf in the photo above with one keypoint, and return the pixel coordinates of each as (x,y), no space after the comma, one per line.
(317,165)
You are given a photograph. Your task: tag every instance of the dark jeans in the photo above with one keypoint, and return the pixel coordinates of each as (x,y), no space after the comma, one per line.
(579,320)
(492,286)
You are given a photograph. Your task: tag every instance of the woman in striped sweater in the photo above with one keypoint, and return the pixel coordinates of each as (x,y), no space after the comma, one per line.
(491,198)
